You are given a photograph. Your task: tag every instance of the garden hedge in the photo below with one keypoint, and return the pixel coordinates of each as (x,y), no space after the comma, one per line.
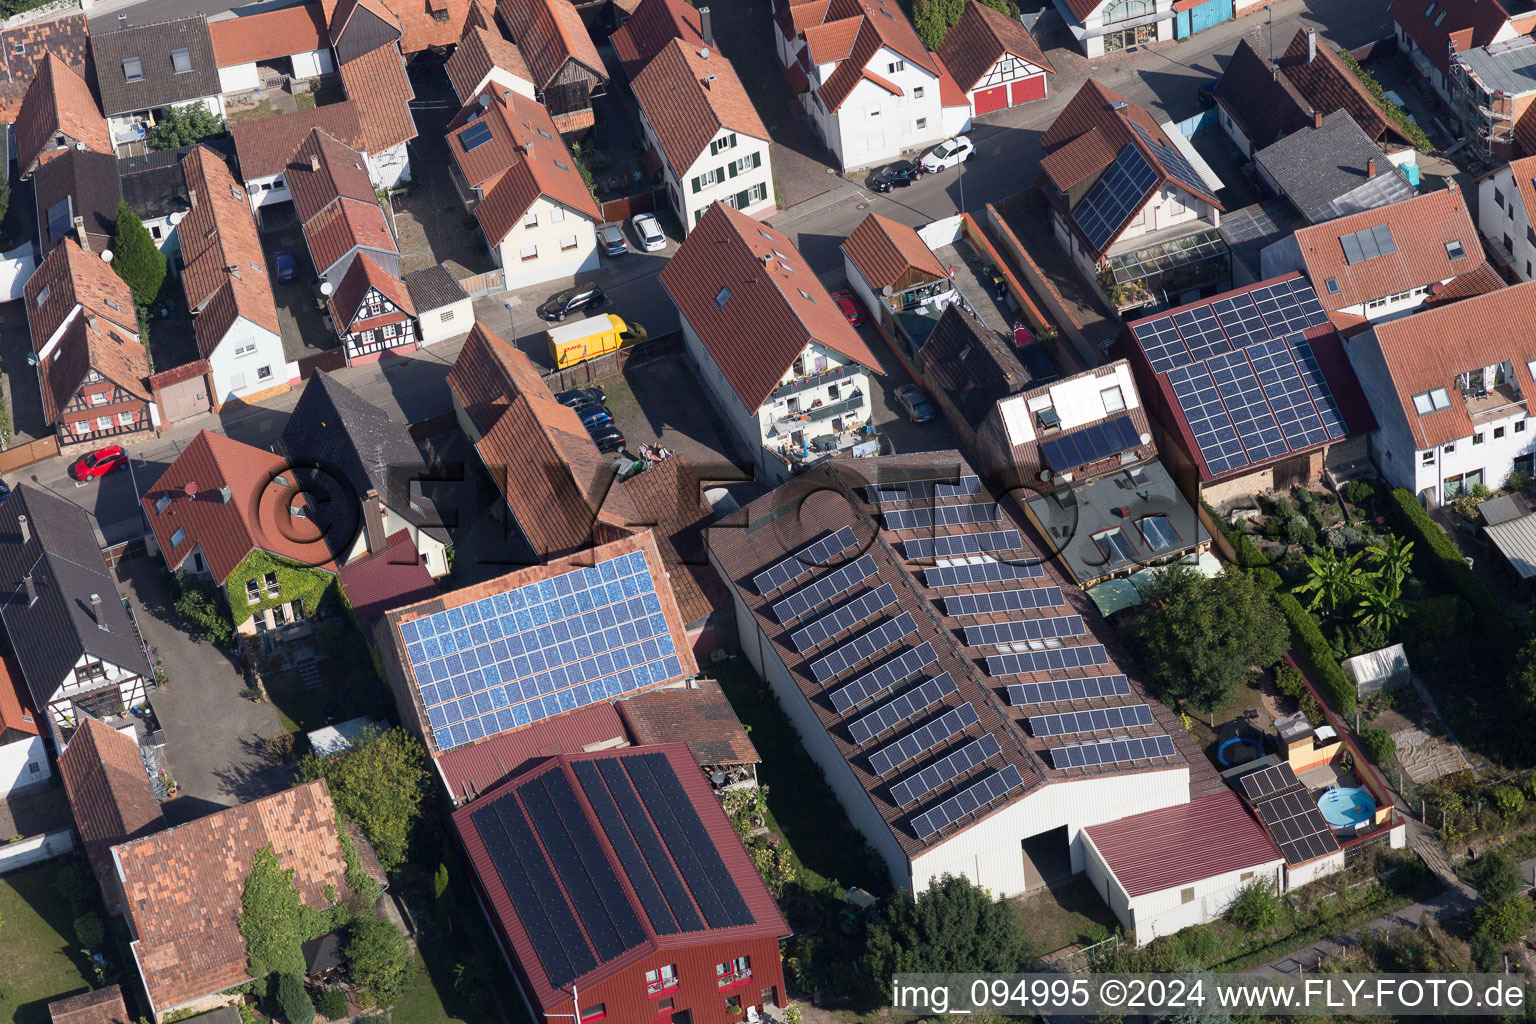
(1316,656)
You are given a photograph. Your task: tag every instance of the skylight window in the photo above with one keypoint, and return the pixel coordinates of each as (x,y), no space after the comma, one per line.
(475,136)
(1455,250)
(722,297)
(1430,9)
(806,295)
(1432,401)
(181,61)
(133,70)
(544,133)
(1439,19)
(42,296)
(563,167)
(1333,285)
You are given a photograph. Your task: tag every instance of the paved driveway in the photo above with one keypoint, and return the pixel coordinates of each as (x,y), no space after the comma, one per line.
(213,735)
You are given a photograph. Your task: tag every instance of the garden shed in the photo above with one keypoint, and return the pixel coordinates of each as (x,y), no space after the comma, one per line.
(1386,669)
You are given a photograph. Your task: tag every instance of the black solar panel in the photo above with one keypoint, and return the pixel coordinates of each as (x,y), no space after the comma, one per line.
(1208,420)
(843,618)
(862,647)
(901,708)
(918,786)
(1112,200)
(1092,720)
(1174,162)
(1047,661)
(883,678)
(1086,755)
(812,556)
(1081,688)
(663,922)
(1161,343)
(657,863)
(920,490)
(824,590)
(951,545)
(972,798)
(913,745)
(942,515)
(1201,332)
(536,898)
(1287,393)
(1317,386)
(1091,443)
(1002,601)
(1024,630)
(1244,398)
(1298,827)
(1289,306)
(1269,781)
(989,571)
(1240,318)
(688,841)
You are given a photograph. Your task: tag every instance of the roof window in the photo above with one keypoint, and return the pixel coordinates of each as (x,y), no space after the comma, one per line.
(113,305)
(42,296)
(1432,401)
(181,61)
(1439,19)
(806,295)
(1333,285)
(1430,9)
(1455,250)
(563,167)
(162,503)
(133,70)
(722,297)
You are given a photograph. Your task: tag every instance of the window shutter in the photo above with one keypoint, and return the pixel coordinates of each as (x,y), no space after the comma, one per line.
(720,174)
(742,200)
(695,184)
(732,168)
(757,159)
(733,140)
(711,148)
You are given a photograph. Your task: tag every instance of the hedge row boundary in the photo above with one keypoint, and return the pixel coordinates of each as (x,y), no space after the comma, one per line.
(1317,656)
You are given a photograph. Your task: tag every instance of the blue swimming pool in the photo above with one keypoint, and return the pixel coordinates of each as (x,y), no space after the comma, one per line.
(1345,808)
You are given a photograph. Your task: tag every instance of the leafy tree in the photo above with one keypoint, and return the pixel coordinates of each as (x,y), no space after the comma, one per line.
(953,926)
(1256,907)
(89,930)
(293,1000)
(272,918)
(1200,637)
(1331,580)
(934,18)
(378,960)
(332,1003)
(135,257)
(443,896)
(1497,876)
(1506,920)
(379,783)
(198,604)
(1393,558)
(185,126)
(1379,609)
(1509,800)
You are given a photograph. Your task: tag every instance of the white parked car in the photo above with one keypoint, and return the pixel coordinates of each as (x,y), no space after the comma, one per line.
(1395,98)
(647,232)
(947,154)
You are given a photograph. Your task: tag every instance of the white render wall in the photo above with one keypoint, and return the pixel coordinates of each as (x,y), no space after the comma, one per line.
(389,168)
(552,263)
(873,126)
(239,78)
(690,205)
(1513,220)
(741,420)
(23,763)
(312,63)
(448,321)
(1093,45)
(228,367)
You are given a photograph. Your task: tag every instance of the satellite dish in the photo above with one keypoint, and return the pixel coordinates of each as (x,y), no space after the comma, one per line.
(1146,438)
(886,290)
(325,288)
(1045,475)
(80,147)
(176,218)
(106,255)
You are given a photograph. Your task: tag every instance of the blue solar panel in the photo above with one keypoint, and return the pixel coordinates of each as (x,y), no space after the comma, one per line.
(1091,443)
(972,798)
(1239,317)
(1024,630)
(1174,162)
(1117,195)
(1201,332)
(1317,386)
(1207,418)
(540,649)
(1287,394)
(1244,399)
(1160,340)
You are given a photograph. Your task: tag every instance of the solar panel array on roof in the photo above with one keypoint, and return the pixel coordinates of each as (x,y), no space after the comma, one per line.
(972,798)
(475,136)
(1208,420)
(540,649)
(1092,720)
(843,618)
(824,590)
(929,737)
(1086,755)
(1091,443)
(1024,630)
(922,490)
(1117,195)
(1268,781)
(882,678)
(1047,661)
(1081,688)
(950,545)
(1287,393)
(942,515)
(1317,385)
(908,791)
(862,647)
(901,708)
(1240,392)
(1289,306)
(1161,343)
(1002,601)
(1297,826)
(813,556)
(1173,162)
(1240,318)
(989,571)
(1367,244)
(1201,332)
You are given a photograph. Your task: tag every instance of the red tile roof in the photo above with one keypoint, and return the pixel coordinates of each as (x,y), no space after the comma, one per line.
(832,41)
(386,579)
(685,110)
(1524,173)
(518,921)
(217,234)
(347,301)
(1328,85)
(698,714)
(1421,229)
(481,49)
(109,793)
(23,48)
(1093,106)
(1180,845)
(524,159)
(472,769)
(795,18)
(555,482)
(1428,349)
(981,38)
(264,147)
(421,28)
(550,34)
(1481,281)
(950,93)
(851,32)
(1082,8)
(190,947)
(377,83)
(345,225)
(669,496)
(1263,102)
(1084,157)
(1448,25)
(255,517)
(771,308)
(101,1006)
(18,711)
(654,24)
(269,34)
(58,101)
(322,169)
(885,250)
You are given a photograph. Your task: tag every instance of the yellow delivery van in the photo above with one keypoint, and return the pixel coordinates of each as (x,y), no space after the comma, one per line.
(571,343)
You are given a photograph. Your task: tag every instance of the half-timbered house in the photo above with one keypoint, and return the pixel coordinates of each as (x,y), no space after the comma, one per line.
(373,312)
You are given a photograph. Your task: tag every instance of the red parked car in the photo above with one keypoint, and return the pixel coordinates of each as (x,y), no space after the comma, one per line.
(99,462)
(849,306)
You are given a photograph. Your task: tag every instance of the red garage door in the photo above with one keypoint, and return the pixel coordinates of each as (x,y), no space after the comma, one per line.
(988,100)
(1031,88)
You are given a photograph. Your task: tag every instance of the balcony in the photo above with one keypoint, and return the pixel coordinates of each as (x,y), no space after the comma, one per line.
(815,380)
(1491,403)
(734,979)
(818,414)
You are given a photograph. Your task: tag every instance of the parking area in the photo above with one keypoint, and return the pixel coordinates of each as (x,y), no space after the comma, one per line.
(662,402)
(299,309)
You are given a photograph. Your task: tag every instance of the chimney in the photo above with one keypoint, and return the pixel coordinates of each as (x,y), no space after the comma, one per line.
(314,161)
(26,580)
(25,528)
(90,321)
(1317,119)
(705,29)
(1311,45)
(192,197)
(85,243)
(1370,168)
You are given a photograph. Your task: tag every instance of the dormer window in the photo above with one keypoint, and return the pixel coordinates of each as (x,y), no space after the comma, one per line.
(133,69)
(1432,401)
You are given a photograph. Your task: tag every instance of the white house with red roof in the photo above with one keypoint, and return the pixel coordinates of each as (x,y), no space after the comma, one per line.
(778,357)
(1431,32)
(1506,214)
(1108,26)
(994,59)
(870,87)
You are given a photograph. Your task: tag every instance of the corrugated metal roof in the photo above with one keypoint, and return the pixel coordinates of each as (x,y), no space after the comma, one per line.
(471,770)
(1180,845)
(1516,541)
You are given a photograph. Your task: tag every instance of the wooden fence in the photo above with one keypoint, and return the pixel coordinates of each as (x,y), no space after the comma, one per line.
(625,207)
(331,359)
(20,455)
(476,285)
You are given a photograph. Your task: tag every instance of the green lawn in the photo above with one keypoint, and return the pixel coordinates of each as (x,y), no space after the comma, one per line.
(1063,915)
(421,1004)
(37,946)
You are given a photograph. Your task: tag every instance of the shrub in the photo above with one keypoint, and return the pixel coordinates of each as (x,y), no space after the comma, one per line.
(1509,800)
(951,925)
(1198,943)
(1506,920)
(1299,531)
(1378,745)
(1497,876)
(185,126)
(1358,492)
(293,1000)
(88,930)
(1288,681)
(1256,907)
(332,1003)
(199,605)
(378,960)
(379,783)
(1334,538)
(1517,480)
(1530,786)
(1267,578)
(1316,656)
(136,259)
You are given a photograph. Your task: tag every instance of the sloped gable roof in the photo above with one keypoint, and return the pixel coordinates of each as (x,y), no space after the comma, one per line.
(269,34)
(217,234)
(981,38)
(323,169)
(109,793)
(23,48)
(654,24)
(1462,25)
(689,99)
(58,102)
(365,274)
(265,146)
(1328,85)
(481,49)
(550,33)
(153,46)
(883,250)
(1263,102)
